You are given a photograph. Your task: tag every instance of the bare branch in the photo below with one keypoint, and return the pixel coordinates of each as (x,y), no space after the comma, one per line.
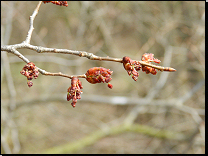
(90,56)
(29,34)
(157,67)
(26,44)
(43,72)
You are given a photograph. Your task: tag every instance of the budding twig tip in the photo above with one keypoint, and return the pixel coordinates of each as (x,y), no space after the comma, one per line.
(170,69)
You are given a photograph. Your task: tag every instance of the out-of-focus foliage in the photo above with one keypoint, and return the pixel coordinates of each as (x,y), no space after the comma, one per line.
(114,29)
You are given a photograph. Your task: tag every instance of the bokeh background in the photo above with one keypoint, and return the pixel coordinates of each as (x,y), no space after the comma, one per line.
(161,113)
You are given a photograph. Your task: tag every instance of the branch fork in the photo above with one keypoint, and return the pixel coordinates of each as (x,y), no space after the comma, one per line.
(93,75)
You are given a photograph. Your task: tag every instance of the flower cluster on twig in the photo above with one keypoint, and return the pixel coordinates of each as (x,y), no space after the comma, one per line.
(149,57)
(61,3)
(74,91)
(30,71)
(93,75)
(98,75)
(132,67)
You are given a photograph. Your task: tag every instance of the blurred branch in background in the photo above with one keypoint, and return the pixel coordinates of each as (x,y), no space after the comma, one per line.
(95,136)
(156,114)
(10,127)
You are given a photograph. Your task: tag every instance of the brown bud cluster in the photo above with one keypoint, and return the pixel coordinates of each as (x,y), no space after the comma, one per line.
(132,67)
(74,91)
(149,57)
(61,3)
(30,71)
(98,75)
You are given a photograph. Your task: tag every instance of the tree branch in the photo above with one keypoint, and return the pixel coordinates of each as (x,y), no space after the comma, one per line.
(26,45)
(29,34)
(91,56)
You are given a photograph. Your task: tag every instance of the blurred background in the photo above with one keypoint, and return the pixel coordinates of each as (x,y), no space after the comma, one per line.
(158,114)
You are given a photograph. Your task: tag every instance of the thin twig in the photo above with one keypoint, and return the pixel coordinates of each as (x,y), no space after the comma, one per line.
(157,67)
(29,34)
(91,56)
(26,45)
(43,72)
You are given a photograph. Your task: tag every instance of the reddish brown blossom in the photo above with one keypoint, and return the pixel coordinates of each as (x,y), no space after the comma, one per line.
(29,83)
(110,86)
(99,74)
(30,71)
(74,91)
(132,67)
(149,57)
(61,3)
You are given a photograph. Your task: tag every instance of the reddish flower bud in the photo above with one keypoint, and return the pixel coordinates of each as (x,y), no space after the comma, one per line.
(61,3)
(126,59)
(110,86)
(30,71)
(98,75)
(29,83)
(149,57)
(157,61)
(135,78)
(30,77)
(74,91)
(128,66)
(132,67)
(22,72)
(69,97)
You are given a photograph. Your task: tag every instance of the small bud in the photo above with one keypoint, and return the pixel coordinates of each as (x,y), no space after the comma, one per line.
(149,57)
(29,83)
(74,91)
(110,86)
(60,3)
(30,71)
(22,72)
(132,67)
(98,74)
